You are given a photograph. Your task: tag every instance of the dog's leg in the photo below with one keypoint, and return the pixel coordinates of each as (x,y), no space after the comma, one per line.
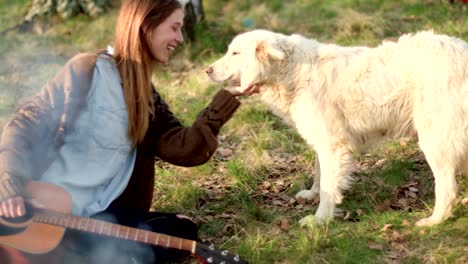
(315,190)
(336,163)
(464,168)
(443,168)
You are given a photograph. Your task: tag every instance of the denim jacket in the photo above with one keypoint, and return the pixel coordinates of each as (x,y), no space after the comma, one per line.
(37,131)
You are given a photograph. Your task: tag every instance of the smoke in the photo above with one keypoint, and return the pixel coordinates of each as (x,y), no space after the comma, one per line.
(120,252)
(24,68)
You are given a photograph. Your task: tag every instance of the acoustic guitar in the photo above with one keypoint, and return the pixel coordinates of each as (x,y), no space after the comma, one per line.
(42,229)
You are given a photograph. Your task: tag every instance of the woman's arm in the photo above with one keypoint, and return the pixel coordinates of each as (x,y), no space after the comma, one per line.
(40,124)
(193,145)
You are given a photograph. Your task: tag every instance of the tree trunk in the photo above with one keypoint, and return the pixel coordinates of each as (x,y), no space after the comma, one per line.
(193,13)
(66,8)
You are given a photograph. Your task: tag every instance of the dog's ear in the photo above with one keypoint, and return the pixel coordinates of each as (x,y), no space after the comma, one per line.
(266,49)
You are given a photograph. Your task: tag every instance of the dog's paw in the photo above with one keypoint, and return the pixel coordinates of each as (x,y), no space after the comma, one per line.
(312,220)
(306,194)
(429,221)
(307,221)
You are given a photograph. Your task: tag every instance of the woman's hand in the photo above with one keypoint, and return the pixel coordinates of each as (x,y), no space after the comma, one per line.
(12,207)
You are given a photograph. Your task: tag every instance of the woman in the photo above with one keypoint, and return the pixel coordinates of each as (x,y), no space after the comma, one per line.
(95,129)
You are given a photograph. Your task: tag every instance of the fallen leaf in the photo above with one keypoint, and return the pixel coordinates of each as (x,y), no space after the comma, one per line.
(224,152)
(278,202)
(380,162)
(375,245)
(284,224)
(284,197)
(375,226)
(465,201)
(301,200)
(405,223)
(224,215)
(316,200)
(266,184)
(397,236)
(279,182)
(386,227)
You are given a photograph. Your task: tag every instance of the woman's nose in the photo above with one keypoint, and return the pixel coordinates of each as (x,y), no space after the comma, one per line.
(180,37)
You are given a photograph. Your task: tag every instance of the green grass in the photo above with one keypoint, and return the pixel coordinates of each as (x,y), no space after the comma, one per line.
(242,200)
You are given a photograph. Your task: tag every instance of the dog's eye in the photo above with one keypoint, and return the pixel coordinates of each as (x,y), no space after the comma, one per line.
(235,53)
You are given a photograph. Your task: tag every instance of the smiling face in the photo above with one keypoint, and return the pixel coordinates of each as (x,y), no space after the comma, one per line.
(167,36)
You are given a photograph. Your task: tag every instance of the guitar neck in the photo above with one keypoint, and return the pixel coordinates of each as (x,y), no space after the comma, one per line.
(114,230)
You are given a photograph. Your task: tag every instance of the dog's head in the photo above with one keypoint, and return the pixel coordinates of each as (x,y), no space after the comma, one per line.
(251,59)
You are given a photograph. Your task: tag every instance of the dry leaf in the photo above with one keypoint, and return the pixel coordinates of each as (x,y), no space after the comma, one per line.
(380,162)
(225,215)
(266,184)
(316,200)
(278,202)
(284,224)
(375,226)
(397,236)
(375,245)
(465,201)
(224,152)
(279,182)
(386,227)
(301,200)
(405,222)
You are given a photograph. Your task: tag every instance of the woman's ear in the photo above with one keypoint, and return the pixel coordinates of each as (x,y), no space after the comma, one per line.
(144,30)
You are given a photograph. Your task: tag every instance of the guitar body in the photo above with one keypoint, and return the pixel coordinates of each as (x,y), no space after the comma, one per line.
(40,238)
(43,229)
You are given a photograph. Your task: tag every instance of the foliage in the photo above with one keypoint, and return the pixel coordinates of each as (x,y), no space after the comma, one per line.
(243,197)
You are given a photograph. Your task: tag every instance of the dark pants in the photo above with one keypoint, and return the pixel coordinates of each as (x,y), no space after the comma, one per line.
(80,247)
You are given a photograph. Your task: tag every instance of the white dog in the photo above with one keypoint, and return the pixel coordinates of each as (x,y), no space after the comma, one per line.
(342,99)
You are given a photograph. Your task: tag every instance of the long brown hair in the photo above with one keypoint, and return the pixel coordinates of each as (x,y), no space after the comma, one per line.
(136,20)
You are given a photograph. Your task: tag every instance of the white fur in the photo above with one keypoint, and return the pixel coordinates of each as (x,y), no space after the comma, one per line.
(343,99)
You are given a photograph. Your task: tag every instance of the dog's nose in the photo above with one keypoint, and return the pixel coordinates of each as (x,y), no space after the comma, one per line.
(209,70)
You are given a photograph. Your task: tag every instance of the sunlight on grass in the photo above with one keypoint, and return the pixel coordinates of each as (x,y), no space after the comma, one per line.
(174,192)
(227,195)
(241,174)
(258,248)
(309,239)
(178,199)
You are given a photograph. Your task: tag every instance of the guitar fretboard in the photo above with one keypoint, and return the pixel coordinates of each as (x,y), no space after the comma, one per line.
(114,230)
